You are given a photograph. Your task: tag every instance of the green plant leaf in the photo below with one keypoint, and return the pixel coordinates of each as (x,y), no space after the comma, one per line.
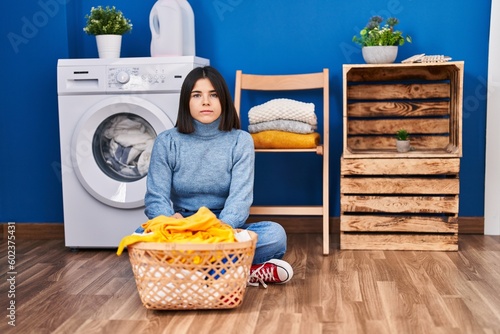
(106,21)
(376,34)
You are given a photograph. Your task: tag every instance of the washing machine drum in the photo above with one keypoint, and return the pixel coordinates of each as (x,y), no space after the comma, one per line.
(111,149)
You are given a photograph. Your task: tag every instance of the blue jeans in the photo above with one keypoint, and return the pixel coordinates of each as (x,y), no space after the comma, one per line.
(271,242)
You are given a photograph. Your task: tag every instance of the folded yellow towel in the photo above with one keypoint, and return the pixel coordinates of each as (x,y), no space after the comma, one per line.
(284,139)
(202,227)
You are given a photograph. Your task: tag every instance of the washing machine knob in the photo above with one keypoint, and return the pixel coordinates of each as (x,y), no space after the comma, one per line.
(122,77)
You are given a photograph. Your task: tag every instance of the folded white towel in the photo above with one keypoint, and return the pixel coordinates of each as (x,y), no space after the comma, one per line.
(286,109)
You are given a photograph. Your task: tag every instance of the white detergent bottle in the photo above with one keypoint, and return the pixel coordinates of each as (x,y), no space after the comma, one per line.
(172,29)
(188,36)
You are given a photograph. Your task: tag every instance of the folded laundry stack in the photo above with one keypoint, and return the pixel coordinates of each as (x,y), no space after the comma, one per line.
(283,123)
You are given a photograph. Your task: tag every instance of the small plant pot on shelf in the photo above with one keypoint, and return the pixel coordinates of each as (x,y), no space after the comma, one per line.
(107,25)
(403,146)
(109,46)
(379,54)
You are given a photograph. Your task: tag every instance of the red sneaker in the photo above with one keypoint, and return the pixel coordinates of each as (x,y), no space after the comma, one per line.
(272,271)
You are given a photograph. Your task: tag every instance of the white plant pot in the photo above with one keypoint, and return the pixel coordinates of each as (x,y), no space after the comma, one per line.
(379,54)
(402,146)
(109,46)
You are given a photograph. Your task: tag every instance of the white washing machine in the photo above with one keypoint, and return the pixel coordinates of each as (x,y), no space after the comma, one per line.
(110,112)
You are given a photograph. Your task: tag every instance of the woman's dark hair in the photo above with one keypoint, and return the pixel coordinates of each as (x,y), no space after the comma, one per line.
(229,117)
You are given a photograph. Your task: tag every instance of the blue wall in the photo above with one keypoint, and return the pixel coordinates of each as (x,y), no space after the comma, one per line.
(260,36)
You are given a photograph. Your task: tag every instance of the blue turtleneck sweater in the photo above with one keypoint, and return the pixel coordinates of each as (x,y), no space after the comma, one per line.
(208,167)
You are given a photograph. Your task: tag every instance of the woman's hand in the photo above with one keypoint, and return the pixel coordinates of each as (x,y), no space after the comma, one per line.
(177,215)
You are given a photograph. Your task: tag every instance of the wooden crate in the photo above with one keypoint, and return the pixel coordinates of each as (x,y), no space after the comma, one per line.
(425,99)
(399,203)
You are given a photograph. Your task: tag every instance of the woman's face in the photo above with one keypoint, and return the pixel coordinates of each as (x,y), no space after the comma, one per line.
(204,103)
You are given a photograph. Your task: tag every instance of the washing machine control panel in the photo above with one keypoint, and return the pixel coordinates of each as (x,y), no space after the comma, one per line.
(168,77)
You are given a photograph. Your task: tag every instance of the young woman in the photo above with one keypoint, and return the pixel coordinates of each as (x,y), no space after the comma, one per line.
(206,160)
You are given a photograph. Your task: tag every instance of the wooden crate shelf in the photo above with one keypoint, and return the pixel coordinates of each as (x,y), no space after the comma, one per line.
(401,201)
(399,204)
(425,99)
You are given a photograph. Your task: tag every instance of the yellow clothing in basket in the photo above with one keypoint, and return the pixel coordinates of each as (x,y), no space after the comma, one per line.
(284,139)
(202,227)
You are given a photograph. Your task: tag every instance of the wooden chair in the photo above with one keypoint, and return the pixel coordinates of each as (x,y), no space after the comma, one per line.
(293,82)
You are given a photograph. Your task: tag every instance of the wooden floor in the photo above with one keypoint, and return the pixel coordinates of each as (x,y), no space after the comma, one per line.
(93,291)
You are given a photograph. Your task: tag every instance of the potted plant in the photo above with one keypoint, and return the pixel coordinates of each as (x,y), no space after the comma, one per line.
(402,141)
(108,25)
(379,41)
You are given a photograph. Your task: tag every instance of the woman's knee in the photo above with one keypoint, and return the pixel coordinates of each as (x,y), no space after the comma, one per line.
(271,243)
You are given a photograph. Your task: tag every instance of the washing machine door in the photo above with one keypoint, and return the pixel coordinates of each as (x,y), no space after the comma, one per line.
(112,144)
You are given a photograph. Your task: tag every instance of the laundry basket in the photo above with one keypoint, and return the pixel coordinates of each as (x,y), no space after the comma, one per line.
(174,276)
